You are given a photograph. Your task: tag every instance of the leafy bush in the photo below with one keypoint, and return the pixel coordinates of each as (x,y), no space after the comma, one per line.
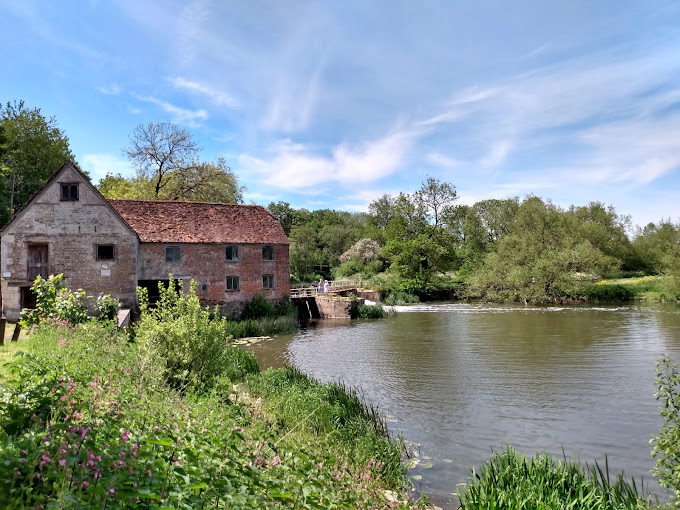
(260,307)
(371,311)
(55,301)
(608,292)
(193,341)
(666,445)
(511,481)
(107,307)
(398,298)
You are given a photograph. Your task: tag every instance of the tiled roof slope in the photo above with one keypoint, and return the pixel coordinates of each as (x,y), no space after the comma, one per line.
(199,222)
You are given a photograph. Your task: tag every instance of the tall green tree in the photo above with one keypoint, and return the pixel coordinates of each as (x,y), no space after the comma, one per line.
(418,242)
(32,149)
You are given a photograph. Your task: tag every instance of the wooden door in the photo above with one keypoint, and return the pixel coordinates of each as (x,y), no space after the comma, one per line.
(37,261)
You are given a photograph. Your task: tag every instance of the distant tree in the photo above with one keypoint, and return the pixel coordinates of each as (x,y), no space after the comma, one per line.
(205,182)
(160,150)
(168,168)
(286,215)
(32,148)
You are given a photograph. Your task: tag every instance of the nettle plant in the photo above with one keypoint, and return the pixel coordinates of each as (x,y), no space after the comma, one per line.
(54,301)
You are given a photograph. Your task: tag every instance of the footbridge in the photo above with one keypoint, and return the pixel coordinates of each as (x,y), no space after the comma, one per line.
(336,303)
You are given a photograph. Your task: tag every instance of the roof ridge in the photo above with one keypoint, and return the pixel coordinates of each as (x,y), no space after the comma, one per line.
(179,202)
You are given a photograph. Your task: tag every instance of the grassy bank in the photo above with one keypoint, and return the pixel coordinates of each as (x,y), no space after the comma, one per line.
(178,418)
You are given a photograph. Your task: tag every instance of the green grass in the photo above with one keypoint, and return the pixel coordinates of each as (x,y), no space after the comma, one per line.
(645,288)
(511,481)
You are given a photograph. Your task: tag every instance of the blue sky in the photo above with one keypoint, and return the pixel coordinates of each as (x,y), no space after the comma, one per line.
(329,104)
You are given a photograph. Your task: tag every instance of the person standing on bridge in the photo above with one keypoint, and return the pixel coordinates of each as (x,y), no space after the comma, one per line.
(326,286)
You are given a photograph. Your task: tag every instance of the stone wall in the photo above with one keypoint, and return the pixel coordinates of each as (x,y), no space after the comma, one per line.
(337,308)
(71,230)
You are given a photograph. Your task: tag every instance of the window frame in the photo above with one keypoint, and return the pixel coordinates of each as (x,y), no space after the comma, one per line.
(233,278)
(96,251)
(268,278)
(268,248)
(173,259)
(68,196)
(233,249)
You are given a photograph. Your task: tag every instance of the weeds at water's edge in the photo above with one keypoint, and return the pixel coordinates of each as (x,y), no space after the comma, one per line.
(509,480)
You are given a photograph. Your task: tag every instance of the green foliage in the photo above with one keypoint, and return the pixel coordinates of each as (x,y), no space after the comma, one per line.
(666,445)
(32,148)
(87,421)
(193,341)
(167,164)
(302,404)
(53,301)
(510,481)
(371,311)
(538,258)
(608,292)
(259,307)
(398,298)
(107,307)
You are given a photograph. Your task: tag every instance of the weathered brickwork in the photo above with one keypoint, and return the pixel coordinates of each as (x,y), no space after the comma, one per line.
(207,264)
(71,230)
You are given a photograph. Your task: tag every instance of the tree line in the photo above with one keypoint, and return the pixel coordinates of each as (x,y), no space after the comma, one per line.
(527,250)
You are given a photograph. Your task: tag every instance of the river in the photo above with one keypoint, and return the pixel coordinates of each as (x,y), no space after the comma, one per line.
(461,379)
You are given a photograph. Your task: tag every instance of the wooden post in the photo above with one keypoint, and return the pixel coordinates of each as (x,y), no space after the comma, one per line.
(3,323)
(17,330)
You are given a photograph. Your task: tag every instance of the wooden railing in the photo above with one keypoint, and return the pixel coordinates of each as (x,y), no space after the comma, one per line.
(333,287)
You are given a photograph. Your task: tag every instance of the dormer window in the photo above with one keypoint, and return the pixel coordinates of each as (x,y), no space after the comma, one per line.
(69,192)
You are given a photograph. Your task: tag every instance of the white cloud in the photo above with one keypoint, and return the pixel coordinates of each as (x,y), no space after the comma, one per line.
(179,115)
(98,165)
(218,97)
(113,90)
(497,154)
(440,159)
(295,167)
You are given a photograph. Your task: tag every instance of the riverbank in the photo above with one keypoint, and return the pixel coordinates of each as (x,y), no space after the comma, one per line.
(88,419)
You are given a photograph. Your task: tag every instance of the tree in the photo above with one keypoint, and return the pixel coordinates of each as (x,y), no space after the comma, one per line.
(168,168)
(417,241)
(32,148)
(160,151)
(286,215)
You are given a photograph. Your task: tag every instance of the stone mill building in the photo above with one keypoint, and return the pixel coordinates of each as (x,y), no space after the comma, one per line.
(232,251)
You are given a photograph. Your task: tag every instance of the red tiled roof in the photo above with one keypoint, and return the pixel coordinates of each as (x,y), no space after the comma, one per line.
(199,222)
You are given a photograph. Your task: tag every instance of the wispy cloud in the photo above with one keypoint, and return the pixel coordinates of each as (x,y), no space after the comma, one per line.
(218,97)
(112,90)
(296,167)
(497,154)
(179,115)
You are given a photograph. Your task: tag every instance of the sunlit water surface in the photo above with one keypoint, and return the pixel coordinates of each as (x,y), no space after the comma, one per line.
(463,379)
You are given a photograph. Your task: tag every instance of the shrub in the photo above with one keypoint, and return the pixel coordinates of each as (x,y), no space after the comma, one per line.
(55,301)
(666,445)
(400,298)
(193,341)
(614,292)
(107,307)
(364,250)
(260,307)
(371,311)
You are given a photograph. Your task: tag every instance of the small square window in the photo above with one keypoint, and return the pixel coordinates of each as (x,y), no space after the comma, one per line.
(172,254)
(204,287)
(232,283)
(267,253)
(267,281)
(232,253)
(69,192)
(105,252)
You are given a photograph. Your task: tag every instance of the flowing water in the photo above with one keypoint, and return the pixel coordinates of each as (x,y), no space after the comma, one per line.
(462,379)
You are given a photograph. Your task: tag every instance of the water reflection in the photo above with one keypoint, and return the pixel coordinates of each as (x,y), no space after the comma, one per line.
(461,379)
